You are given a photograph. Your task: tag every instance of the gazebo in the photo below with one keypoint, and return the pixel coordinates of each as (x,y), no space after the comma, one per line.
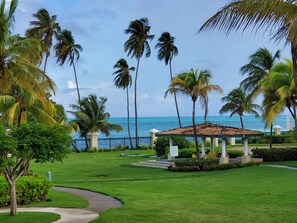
(212,131)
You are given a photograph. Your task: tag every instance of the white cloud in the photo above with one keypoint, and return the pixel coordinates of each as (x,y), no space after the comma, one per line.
(71,84)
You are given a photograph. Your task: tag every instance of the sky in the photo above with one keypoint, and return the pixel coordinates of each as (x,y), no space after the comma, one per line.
(98,26)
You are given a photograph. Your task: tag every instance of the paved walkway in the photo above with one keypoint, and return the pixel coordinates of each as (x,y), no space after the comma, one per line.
(280,166)
(97,204)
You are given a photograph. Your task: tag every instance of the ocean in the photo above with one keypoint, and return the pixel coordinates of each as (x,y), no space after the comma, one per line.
(145,124)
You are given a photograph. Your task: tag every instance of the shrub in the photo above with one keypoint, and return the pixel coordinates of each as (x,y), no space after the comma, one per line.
(143,147)
(120,148)
(197,162)
(186,153)
(29,189)
(162,144)
(275,154)
(234,153)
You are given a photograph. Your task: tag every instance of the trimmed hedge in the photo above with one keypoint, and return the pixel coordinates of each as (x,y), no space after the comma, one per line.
(186,153)
(225,166)
(275,154)
(201,163)
(28,188)
(234,153)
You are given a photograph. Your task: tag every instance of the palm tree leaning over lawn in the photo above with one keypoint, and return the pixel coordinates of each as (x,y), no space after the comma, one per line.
(237,102)
(91,117)
(136,46)
(123,80)
(166,51)
(44,28)
(277,16)
(194,84)
(259,66)
(67,49)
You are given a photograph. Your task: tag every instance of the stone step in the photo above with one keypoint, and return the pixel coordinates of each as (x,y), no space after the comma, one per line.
(148,165)
(156,164)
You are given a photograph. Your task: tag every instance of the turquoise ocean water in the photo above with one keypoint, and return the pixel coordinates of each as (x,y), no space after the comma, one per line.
(145,124)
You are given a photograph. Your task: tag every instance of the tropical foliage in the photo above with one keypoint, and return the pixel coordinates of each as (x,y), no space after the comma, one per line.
(123,80)
(237,102)
(137,45)
(91,117)
(166,51)
(196,85)
(68,51)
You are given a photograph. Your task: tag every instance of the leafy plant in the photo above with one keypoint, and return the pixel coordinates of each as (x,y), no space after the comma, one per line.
(275,154)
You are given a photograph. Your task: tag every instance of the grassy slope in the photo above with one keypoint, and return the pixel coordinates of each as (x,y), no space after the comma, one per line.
(29,217)
(255,194)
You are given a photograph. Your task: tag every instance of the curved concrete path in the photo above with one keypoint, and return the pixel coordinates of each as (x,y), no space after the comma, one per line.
(280,166)
(97,204)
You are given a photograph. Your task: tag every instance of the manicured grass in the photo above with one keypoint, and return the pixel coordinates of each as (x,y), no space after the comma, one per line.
(65,200)
(29,217)
(284,163)
(254,194)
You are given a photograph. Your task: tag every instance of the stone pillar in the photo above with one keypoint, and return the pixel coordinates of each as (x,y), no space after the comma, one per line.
(216,142)
(245,158)
(277,129)
(93,139)
(203,147)
(224,158)
(153,137)
(232,141)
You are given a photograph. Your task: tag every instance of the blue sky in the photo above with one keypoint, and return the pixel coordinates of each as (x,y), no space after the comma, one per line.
(98,26)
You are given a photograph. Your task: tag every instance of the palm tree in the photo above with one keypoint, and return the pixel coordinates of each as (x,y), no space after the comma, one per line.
(91,117)
(279,92)
(137,45)
(237,102)
(18,56)
(22,106)
(166,51)
(277,16)
(123,80)
(194,84)
(44,28)
(67,49)
(259,66)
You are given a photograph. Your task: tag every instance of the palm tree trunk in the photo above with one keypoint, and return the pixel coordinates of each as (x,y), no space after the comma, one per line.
(194,127)
(294,59)
(175,100)
(45,62)
(135,103)
(128,117)
(241,121)
(76,82)
(270,138)
(87,143)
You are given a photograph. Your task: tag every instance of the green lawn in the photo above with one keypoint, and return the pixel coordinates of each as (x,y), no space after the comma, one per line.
(284,163)
(254,194)
(29,217)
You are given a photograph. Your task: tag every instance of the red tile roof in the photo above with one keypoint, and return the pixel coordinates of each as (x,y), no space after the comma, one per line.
(209,130)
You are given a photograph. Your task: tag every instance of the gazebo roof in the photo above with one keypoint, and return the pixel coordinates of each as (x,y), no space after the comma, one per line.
(210,130)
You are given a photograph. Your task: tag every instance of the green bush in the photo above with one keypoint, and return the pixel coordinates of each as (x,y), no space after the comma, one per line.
(143,147)
(28,189)
(197,162)
(120,148)
(186,153)
(162,144)
(234,153)
(225,166)
(275,154)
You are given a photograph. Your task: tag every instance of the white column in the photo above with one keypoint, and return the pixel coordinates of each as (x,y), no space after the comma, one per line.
(211,144)
(203,146)
(224,158)
(245,158)
(153,137)
(170,142)
(215,142)
(232,141)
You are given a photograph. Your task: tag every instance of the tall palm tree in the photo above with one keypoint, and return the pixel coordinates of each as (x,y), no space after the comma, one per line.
(194,84)
(137,45)
(44,28)
(237,102)
(259,66)
(67,50)
(123,80)
(166,51)
(278,17)
(91,117)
